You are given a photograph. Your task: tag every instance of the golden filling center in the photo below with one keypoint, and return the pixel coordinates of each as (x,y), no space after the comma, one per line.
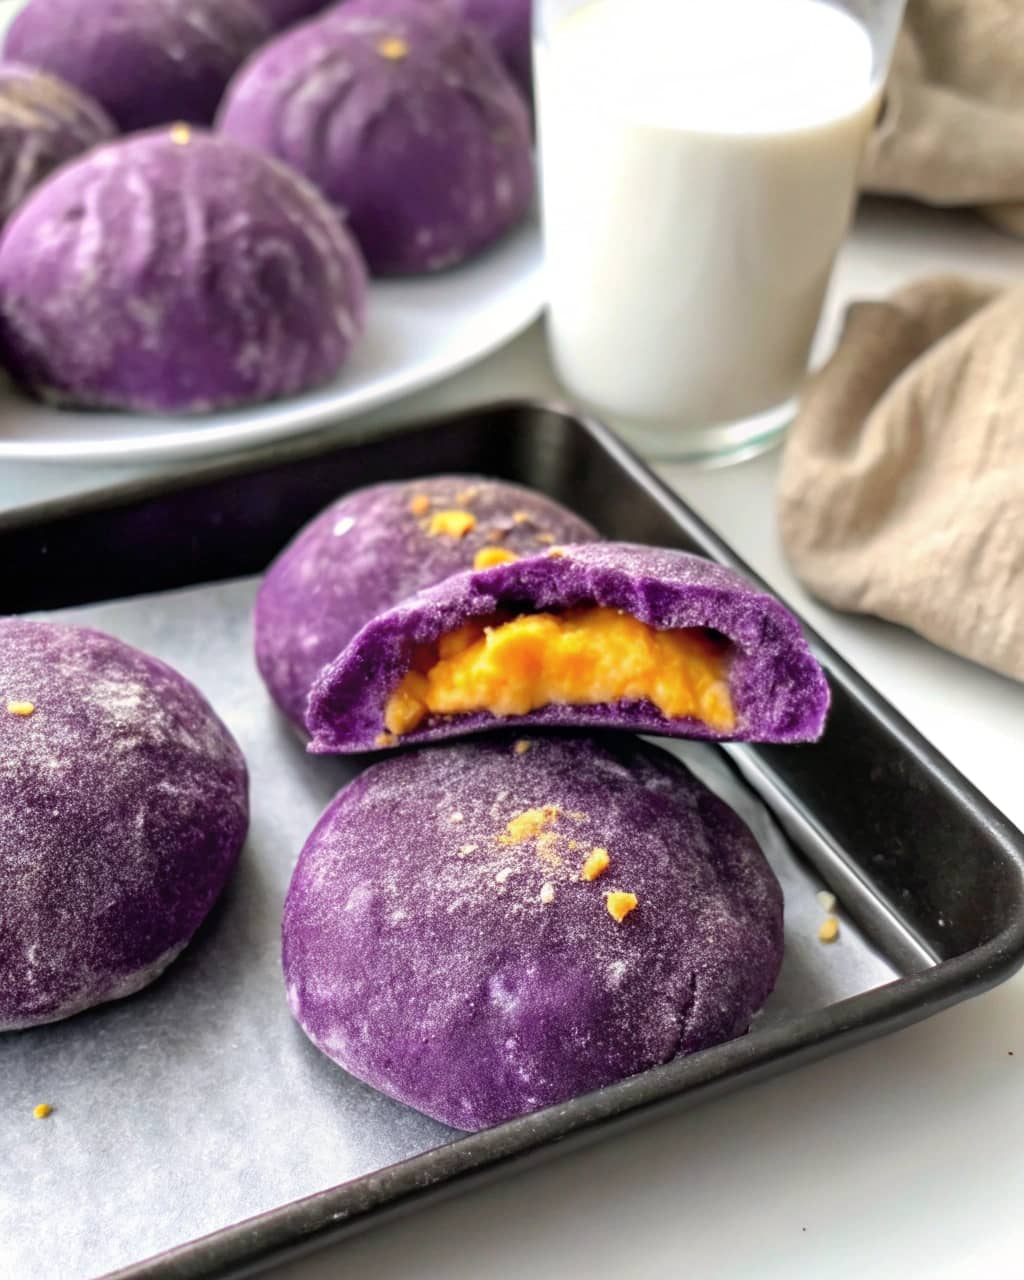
(581,657)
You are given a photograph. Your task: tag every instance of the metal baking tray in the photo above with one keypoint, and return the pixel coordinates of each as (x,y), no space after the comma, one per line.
(194,1126)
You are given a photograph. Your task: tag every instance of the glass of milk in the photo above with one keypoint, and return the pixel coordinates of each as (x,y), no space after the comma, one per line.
(698,171)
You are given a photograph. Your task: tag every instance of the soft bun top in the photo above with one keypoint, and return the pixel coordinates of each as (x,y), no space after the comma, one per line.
(406,120)
(148,62)
(124,802)
(176,271)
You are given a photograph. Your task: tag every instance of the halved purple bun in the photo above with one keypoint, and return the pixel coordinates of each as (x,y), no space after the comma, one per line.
(125,805)
(148,62)
(176,272)
(442,944)
(43,122)
(405,119)
(777,688)
(371,549)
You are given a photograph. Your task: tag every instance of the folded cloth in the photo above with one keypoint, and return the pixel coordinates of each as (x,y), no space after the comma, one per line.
(902,485)
(951,131)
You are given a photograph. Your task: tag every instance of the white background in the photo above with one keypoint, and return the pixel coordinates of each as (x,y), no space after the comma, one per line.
(902,1158)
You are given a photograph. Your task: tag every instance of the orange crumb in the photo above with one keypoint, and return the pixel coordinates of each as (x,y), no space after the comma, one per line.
(488,557)
(546,842)
(545,538)
(522,746)
(42,1110)
(419,504)
(620,905)
(556,553)
(180,135)
(529,824)
(452,524)
(829,930)
(20,708)
(385,740)
(521,517)
(596,864)
(394,48)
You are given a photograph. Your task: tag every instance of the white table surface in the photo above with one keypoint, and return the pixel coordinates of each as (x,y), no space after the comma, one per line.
(902,1158)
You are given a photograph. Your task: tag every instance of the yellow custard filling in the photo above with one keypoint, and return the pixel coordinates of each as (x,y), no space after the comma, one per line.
(581,657)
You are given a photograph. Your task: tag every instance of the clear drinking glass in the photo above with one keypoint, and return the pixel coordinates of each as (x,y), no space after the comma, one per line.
(698,170)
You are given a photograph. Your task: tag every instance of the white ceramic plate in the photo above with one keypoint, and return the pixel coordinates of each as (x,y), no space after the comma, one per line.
(418,332)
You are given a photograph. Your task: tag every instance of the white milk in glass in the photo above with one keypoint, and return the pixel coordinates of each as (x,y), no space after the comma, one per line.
(699,163)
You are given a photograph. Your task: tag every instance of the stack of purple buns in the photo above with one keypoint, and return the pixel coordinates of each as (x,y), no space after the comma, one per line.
(519,900)
(276,152)
(548,904)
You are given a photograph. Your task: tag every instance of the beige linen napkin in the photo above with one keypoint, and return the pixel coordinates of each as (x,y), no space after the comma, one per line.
(952,128)
(902,484)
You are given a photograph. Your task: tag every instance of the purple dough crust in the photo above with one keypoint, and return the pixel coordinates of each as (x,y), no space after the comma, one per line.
(43,122)
(778,689)
(419,955)
(427,152)
(177,276)
(368,551)
(506,23)
(148,62)
(125,804)
(285,13)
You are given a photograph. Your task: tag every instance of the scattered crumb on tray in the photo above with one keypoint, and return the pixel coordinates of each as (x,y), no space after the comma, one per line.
(42,1110)
(827,901)
(829,930)
(20,708)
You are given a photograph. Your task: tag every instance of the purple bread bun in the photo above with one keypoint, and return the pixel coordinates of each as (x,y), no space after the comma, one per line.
(777,689)
(43,122)
(176,272)
(148,62)
(506,23)
(285,13)
(125,804)
(371,549)
(441,944)
(406,121)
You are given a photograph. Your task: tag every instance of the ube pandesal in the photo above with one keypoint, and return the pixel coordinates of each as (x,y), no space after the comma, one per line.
(174,271)
(125,803)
